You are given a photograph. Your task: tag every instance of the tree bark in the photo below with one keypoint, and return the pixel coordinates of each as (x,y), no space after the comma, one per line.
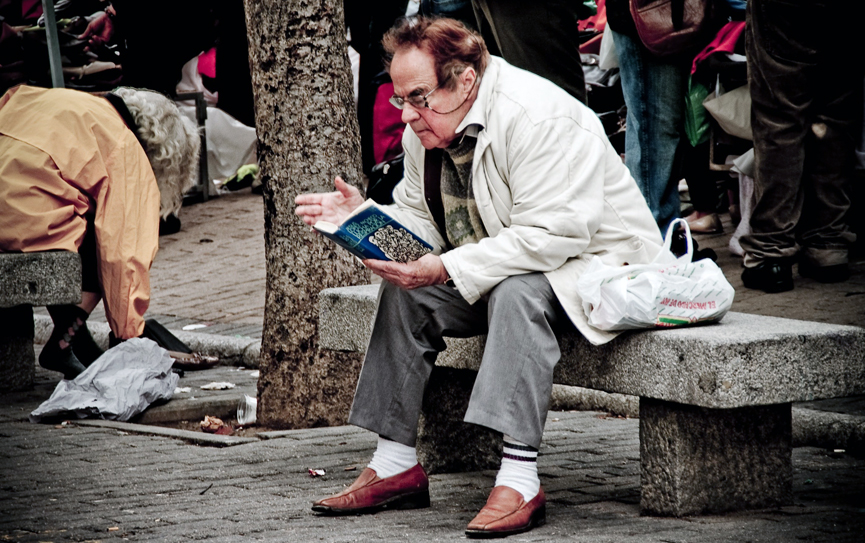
(307,131)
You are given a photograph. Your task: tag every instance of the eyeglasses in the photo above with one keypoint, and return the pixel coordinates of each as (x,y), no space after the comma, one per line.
(417,101)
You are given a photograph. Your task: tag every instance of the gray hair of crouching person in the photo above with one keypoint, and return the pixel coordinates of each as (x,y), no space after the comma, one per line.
(171,140)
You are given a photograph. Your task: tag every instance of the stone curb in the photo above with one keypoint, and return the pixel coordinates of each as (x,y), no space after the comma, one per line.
(810,427)
(198,438)
(567,398)
(232,351)
(829,430)
(185,409)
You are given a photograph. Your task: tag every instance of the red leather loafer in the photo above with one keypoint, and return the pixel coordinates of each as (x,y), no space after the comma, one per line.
(506,513)
(370,493)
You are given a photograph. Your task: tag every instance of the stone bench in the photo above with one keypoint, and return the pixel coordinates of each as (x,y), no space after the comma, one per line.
(715,401)
(27,280)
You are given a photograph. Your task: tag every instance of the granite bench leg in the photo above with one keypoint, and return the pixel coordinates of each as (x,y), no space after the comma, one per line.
(17,358)
(695,460)
(445,443)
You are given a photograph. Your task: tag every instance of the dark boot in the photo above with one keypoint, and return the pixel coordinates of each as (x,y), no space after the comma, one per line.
(773,275)
(84,346)
(67,321)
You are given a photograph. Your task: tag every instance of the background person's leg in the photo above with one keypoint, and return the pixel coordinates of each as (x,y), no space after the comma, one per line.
(654,91)
(84,347)
(541,37)
(824,232)
(778,67)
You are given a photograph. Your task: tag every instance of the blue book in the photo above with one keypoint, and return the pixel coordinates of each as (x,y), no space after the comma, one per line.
(370,232)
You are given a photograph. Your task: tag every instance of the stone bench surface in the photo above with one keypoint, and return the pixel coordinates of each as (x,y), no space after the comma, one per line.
(26,280)
(745,360)
(43,278)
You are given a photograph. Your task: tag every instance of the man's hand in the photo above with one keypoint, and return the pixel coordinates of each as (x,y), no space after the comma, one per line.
(328,206)
(425,271)
(99,31)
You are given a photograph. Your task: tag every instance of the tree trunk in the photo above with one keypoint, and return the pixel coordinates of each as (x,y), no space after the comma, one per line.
(307,131)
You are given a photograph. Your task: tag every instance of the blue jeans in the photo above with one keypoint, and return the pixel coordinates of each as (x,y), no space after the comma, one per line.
(654,92)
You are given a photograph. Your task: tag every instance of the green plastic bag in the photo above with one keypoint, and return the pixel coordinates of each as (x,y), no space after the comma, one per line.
(696,116)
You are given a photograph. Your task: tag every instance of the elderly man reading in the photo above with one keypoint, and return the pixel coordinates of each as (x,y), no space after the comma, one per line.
(517,186)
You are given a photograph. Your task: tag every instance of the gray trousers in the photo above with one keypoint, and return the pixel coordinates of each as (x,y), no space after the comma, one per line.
(522,319)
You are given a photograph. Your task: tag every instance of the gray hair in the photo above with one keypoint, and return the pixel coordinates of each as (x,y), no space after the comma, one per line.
(171,141)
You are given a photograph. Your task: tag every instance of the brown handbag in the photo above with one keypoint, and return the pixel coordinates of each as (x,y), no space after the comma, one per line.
(667,27)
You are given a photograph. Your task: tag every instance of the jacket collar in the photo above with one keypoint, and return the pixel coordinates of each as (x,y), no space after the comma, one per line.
(125,114)
(476,118)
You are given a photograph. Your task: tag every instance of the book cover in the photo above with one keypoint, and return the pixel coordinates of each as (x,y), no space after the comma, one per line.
(370,232)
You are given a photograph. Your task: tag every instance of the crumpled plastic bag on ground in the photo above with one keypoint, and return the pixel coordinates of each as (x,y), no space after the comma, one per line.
(120,384)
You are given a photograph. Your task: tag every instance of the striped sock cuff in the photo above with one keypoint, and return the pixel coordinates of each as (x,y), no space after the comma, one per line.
(514,450)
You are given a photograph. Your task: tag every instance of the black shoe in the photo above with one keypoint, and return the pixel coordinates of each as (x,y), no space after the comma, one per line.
(824,274)
(770,276)
(69,321)
(54,358)
(113,341)
(169,225)
(84,346)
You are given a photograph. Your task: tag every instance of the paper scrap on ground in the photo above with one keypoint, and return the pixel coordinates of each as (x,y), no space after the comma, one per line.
(316,472)
(180,390)
(194,326)
(214,425)
(217,385)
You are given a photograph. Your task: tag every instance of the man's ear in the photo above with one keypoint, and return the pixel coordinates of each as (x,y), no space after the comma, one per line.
(468,79)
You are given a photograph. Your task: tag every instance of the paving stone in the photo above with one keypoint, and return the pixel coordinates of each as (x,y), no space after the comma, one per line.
(264,493)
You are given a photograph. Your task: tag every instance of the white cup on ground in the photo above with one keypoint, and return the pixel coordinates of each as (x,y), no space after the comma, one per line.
(246,410)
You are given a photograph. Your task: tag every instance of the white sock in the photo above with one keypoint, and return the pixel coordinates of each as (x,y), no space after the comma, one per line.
(519,468)
(391,458)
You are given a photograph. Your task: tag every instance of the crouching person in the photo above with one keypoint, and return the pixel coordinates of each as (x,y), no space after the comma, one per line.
(517,186)
(93,175)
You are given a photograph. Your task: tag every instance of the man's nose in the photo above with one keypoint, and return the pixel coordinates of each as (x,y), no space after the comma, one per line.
(409,113)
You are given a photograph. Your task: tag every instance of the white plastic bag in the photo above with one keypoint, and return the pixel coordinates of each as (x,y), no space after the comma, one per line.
(120,384)
(668,292)
(732,110)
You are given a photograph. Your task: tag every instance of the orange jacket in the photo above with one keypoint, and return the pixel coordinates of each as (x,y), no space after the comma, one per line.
(64,154)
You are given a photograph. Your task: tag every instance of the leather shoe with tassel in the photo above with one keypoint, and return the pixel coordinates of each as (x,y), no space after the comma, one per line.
(370,493)
(507,513)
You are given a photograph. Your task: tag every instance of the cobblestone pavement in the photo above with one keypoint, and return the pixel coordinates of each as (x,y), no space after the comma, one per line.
(91,484)
(75,483)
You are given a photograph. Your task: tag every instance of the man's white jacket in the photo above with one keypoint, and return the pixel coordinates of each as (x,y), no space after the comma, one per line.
(551,191)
